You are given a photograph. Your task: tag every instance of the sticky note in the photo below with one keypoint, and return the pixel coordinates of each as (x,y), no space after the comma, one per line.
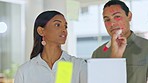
(64,72)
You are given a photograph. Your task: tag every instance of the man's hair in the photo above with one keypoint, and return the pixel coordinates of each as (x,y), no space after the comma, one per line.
(117,2)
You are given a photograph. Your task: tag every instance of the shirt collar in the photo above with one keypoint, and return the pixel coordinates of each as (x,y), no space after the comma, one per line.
(39,60)
(131,38)
(65,56)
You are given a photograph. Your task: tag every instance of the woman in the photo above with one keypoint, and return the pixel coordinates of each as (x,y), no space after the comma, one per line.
(50,31)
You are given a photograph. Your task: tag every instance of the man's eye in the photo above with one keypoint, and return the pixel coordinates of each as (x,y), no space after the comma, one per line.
(117,16)
(57,25)
(106,20)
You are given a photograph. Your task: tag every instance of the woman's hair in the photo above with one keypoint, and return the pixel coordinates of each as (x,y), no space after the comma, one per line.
(117,2)
(41,21)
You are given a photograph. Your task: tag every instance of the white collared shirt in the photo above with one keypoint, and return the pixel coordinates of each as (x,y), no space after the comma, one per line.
(37,70)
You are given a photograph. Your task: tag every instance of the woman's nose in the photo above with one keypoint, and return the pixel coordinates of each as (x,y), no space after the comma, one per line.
(64,30)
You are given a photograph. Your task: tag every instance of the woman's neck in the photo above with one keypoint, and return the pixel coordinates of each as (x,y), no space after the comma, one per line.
(51,54)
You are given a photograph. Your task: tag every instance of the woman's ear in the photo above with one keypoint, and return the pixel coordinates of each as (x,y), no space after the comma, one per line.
(40,31)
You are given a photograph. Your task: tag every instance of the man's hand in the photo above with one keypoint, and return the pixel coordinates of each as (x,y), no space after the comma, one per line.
(118,45)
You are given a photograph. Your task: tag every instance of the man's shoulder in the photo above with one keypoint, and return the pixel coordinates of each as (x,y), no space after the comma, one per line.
(98,52)
(100,47)
(141,40)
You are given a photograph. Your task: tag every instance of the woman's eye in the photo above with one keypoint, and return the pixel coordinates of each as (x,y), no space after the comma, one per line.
(66,27)
(57,25)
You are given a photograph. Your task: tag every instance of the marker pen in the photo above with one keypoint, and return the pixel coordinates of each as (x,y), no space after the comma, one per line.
(106,47)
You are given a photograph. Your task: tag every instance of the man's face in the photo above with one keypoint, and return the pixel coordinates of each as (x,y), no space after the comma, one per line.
(115,18)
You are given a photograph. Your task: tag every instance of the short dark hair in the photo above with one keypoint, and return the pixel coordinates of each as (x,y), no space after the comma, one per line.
(117,2)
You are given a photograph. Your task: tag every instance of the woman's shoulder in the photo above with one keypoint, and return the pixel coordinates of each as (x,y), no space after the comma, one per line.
(75,60)
(25,66)
(78,59)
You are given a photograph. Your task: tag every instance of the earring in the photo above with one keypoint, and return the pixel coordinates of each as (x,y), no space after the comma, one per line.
(43,41)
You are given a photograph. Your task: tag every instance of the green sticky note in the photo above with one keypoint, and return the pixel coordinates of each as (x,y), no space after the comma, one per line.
(64,72)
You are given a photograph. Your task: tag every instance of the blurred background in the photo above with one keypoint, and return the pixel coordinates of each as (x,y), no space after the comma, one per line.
(86,30)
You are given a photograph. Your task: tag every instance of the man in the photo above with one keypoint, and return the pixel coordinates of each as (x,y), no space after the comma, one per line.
(117,17)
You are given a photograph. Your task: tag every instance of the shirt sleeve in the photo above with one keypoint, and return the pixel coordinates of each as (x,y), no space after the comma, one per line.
(147,75)
(147,68)
(94,54)
(18,77)
(83,72)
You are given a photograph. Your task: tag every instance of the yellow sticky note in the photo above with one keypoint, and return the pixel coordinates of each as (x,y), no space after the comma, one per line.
(64,72)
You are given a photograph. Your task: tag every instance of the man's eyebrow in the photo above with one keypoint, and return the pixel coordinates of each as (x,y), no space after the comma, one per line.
(115,13)
(112,15)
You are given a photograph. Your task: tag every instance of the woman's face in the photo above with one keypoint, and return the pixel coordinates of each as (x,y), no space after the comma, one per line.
(55,31)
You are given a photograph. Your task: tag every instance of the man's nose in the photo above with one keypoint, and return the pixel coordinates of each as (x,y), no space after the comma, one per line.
(113,23)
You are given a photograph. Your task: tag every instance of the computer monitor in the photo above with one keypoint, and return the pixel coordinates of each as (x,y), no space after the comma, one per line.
(107,70)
